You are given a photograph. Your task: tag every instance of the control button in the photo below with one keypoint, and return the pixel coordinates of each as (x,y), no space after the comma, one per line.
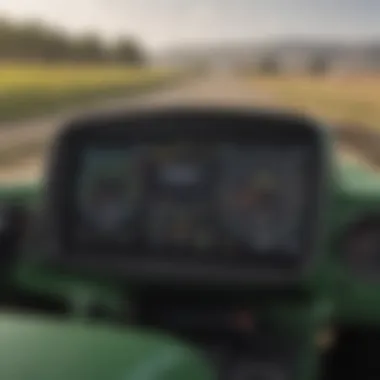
(244,321)
(254,370)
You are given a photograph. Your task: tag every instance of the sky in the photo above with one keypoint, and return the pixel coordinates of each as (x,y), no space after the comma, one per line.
(165,23)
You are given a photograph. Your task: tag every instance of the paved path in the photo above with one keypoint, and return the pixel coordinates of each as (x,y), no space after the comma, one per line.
(21,137)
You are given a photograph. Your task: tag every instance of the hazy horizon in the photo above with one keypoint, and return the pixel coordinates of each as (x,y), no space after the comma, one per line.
(162,24)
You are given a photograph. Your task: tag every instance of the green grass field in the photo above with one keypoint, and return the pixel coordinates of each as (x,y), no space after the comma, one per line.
(30,90)
(349,99)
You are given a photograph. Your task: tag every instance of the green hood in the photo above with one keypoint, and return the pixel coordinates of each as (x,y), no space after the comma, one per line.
(28,192)
(359,179)
(40,349)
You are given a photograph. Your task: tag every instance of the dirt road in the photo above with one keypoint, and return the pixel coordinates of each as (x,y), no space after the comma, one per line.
(22,145)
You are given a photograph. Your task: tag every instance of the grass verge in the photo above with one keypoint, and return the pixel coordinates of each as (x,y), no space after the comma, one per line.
(353,99)
(31,91)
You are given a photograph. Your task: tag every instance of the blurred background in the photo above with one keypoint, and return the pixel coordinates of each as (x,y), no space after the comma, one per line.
(56,57)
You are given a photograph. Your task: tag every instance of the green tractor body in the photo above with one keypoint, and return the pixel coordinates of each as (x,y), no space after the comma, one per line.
(43,349)
(97,336)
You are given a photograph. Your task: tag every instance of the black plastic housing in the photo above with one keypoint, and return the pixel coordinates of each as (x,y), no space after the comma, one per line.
(188,124)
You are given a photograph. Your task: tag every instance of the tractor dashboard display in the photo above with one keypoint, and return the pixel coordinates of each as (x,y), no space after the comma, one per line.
(193,198)
(211,195)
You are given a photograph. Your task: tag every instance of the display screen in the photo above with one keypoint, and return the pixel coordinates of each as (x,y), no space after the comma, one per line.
(224,197)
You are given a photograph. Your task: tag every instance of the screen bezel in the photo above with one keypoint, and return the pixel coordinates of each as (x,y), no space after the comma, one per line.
(198,126)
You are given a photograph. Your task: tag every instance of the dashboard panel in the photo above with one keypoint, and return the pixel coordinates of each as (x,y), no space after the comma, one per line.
(211,195)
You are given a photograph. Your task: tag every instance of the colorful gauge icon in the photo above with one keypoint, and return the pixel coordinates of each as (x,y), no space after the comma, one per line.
(364,247)
(258,193)
(360,248)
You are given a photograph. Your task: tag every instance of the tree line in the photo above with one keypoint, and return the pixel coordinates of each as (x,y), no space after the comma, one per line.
(317,65)
(36,41)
